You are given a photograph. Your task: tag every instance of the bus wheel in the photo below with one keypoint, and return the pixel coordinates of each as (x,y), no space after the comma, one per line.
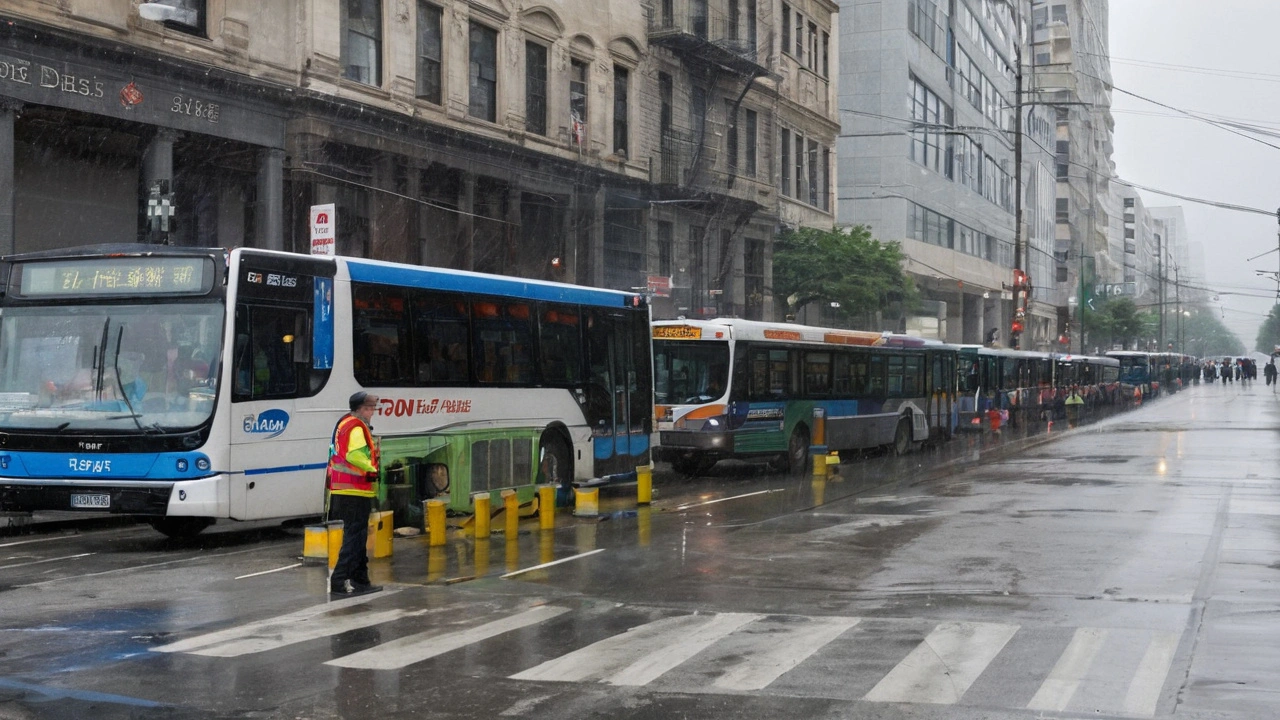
(798,452)
(902,437)
(180,528)
(556,464)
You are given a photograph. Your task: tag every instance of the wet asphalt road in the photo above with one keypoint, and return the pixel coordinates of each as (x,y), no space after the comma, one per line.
(1125,569)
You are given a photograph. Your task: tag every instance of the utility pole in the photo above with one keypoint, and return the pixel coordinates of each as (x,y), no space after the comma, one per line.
(1160,284)
(1021,283)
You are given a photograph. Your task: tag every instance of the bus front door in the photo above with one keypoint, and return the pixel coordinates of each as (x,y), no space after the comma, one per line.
(619,388)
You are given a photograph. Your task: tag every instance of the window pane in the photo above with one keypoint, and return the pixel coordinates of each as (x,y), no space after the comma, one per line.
(482,101)
(429,52)
(535,88)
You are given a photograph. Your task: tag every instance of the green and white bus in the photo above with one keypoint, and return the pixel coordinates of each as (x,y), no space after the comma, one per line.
(749,390)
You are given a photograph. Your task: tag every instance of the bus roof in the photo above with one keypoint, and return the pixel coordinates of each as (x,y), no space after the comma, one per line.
(435,278)
(739,329)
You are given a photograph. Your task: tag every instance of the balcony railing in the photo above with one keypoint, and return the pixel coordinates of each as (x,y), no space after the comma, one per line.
(683,164)
(705,36)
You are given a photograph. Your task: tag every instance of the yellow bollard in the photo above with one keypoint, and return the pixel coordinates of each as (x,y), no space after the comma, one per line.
(820,465)
(335,541)
(435,522)
(586,502)
(315,544)
(481,502)
(511,513)
(547,507)
(644,484)
(378,544)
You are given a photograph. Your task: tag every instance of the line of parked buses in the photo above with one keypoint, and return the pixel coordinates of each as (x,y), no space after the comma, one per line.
(748,390)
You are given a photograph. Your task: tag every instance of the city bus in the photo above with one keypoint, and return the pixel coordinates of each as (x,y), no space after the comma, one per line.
(730,388)
(186,385)
(1136,371)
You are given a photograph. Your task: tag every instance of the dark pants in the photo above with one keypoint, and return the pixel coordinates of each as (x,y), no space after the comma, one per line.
(353,561)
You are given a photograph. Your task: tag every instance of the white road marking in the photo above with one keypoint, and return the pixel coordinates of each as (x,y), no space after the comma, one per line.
(650,667)
(272,637)
(640,654)
(268,572)
(553,562)
(422,646)
(46,560)
(785,650)
(940,669)
(1056,691)
(310,615)
(1144,690)
(727,499)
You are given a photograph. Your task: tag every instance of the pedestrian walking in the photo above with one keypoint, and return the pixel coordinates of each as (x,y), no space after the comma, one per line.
(1269,370)
(353,471)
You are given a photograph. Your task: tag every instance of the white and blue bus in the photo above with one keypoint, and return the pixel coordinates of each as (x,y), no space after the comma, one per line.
(185,385)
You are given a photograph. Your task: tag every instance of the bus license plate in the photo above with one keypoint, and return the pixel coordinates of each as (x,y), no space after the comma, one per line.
(79,500)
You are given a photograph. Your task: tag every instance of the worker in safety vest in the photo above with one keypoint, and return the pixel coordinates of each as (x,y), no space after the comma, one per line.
(1074,405)
(352,472)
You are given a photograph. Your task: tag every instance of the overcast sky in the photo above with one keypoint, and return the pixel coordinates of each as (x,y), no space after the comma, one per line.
(1222,40)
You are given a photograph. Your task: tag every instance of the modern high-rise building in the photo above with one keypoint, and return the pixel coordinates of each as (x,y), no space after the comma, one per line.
(929,128)
(1070,71)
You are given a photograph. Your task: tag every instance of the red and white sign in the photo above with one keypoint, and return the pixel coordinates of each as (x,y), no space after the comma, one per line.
(324,232)
(660,285)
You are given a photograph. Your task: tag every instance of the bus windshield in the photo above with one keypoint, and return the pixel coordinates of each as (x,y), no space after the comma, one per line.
(1133,370)
(147,367)
(690,372)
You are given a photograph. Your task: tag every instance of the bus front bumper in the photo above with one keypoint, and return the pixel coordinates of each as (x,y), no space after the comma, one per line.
(676,444)
(134,499)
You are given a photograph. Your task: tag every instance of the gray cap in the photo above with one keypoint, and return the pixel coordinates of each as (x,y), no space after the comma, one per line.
(357,400)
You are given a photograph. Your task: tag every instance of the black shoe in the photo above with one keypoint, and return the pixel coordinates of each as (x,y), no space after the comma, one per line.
(362,588)
(343,589)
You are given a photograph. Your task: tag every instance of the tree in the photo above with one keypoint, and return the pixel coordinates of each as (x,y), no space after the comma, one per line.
(1119,321)
(1204,335)
(850,268)
(1269,333)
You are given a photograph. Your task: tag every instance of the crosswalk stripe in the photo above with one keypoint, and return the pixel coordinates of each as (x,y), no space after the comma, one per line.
(940,669)
(306,616)
(1056,691)
(653,665)
(278,636)
(642,653)
(1144,690)
(785,651)
(422,646)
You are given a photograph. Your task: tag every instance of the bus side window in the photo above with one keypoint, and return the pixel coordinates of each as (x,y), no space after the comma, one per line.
(875,377)
(842,375)
(272,351)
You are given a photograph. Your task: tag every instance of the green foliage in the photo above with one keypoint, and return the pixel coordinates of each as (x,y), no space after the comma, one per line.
(851,268)
(1203,333)
(1269,333)
(1119,322)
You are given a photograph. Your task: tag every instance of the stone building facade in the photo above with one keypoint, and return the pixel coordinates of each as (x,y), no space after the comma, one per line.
(620,144)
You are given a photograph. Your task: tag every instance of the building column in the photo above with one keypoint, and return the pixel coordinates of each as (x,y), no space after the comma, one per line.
(8,113)
(514,262)
(466,221)
(269,214)
(595,252)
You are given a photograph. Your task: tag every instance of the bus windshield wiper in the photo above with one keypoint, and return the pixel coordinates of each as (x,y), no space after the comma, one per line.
(115,365)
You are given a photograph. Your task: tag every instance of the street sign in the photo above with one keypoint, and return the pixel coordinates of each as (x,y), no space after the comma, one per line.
(660,285)
(324,222)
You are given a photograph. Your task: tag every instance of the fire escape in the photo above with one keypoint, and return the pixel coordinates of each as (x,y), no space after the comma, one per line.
(720,53)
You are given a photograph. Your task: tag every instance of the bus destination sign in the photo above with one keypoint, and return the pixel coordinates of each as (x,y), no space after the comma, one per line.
(115,276)
(677,332)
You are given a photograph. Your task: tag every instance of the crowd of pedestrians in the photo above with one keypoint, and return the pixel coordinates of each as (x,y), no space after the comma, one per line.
(1233,370)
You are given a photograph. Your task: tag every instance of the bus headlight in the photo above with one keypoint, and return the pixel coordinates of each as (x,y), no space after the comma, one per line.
(182,464)
(202,463)
(711,424)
